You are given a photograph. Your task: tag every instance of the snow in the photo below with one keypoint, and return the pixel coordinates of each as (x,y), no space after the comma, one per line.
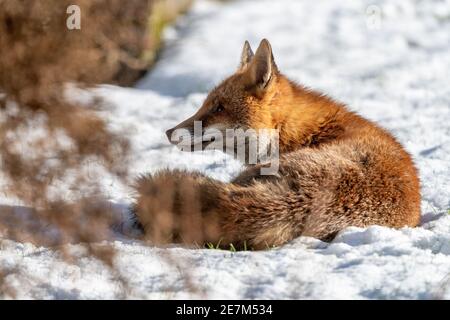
(388,60)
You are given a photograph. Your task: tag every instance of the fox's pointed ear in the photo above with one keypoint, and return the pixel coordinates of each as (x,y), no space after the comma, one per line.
(262,67)
(246,55)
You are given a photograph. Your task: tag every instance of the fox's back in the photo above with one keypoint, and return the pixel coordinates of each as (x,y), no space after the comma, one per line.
(364,176)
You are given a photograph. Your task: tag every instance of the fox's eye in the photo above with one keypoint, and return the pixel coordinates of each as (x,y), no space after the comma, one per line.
(219,108)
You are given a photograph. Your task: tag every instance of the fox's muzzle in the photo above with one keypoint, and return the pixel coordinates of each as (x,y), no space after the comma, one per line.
(186,124)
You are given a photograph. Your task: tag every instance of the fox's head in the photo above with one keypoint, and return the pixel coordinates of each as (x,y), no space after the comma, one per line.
(239,102)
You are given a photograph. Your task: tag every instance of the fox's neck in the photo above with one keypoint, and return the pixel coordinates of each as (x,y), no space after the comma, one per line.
(304,118)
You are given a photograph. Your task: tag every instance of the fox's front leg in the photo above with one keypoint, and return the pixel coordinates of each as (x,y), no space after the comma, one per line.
(178,206)
(253,174)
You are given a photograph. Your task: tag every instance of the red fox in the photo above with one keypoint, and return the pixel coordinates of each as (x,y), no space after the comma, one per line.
(336,169)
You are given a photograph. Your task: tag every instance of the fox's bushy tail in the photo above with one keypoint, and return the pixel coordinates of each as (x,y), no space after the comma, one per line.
(187,207)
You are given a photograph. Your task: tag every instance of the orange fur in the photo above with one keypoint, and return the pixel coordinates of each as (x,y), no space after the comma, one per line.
(337,169)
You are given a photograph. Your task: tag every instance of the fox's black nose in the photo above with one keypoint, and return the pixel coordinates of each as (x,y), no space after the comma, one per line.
(169,134)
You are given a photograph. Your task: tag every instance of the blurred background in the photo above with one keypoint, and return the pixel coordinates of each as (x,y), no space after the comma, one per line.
(48,139)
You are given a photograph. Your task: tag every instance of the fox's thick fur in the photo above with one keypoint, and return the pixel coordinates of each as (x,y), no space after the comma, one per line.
(336,169)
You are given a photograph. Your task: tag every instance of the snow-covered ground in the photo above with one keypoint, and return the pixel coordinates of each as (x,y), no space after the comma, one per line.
(388,60)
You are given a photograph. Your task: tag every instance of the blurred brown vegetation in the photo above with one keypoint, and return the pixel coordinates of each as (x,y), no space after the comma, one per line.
(54,151)
(178,207)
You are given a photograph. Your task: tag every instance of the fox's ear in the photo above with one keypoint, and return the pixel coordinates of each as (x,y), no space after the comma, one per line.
(262,67)
(246,55)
